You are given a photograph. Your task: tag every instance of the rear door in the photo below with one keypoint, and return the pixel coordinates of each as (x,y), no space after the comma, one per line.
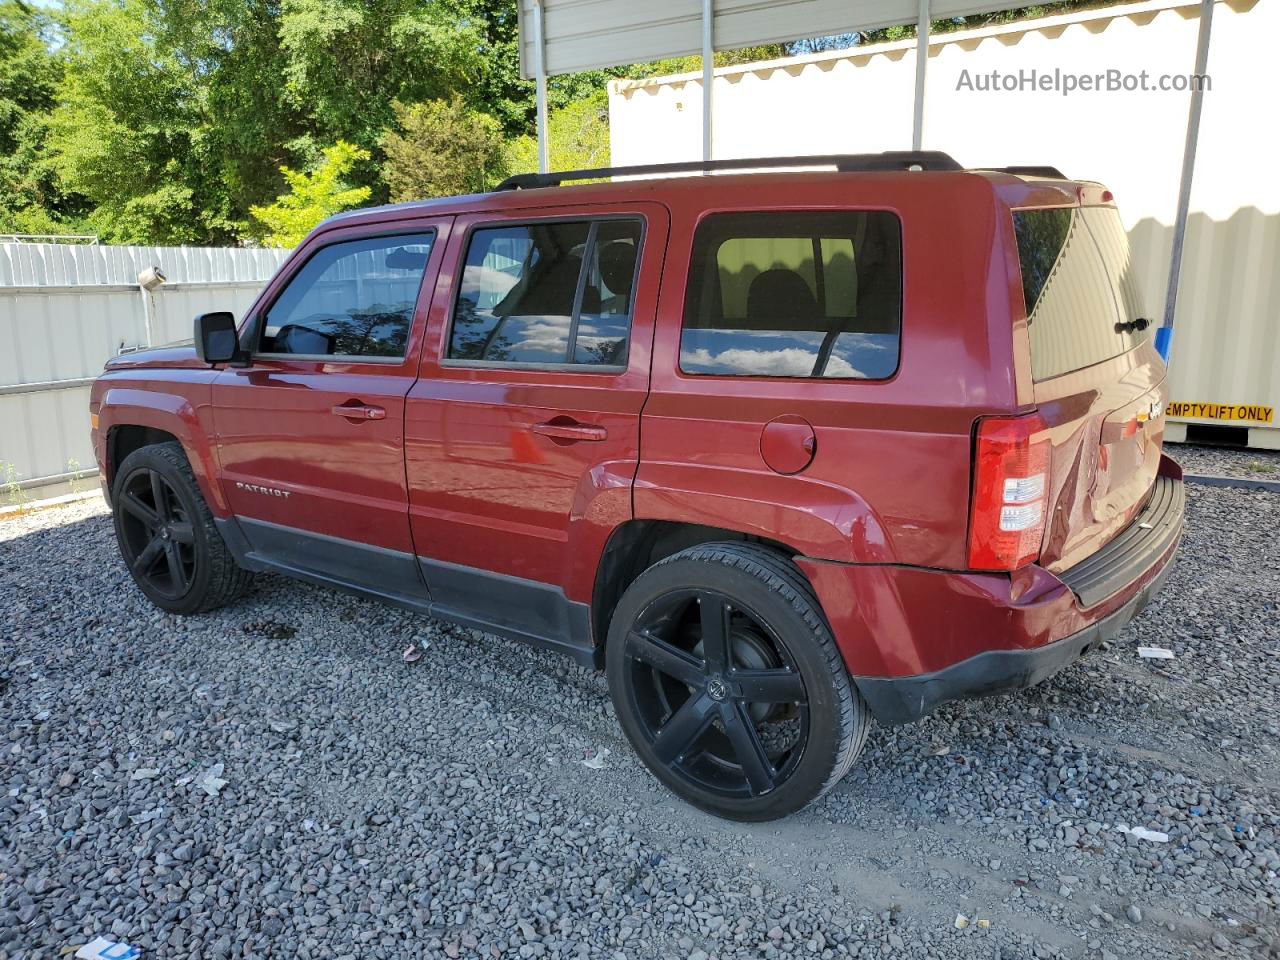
(311,431)
(522,431)
(1098,380)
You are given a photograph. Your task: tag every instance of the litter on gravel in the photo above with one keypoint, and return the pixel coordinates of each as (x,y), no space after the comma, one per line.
(101,948)
(1142,833)
(597,762)
(1155,653)
(211,781)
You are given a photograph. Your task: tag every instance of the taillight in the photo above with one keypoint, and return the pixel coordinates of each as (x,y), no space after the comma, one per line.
(1010,492)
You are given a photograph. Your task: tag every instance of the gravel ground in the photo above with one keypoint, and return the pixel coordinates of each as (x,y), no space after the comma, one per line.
(1227,461)
(374,809)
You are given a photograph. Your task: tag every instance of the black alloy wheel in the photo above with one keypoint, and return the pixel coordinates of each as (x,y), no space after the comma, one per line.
(157,538)
(168,537)
(726,680)
(717,694)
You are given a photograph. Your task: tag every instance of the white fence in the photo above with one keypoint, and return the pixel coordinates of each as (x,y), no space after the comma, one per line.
(65,310)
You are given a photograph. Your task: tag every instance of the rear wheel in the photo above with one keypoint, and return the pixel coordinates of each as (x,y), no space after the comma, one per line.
(167,536)
(726,679)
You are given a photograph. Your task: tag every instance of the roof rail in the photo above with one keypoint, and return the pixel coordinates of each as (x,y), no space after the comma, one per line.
(1053,172)
(889,160)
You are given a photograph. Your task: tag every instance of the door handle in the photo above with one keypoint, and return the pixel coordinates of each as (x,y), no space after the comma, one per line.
(569,431)
(359,411)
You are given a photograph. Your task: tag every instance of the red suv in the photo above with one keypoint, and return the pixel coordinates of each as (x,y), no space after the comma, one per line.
(781,452)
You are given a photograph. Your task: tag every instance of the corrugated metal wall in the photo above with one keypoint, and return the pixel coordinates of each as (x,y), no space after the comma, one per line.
(1227,346)
(65,310)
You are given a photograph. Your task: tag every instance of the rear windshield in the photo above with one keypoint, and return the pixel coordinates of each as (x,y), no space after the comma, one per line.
(1078,284)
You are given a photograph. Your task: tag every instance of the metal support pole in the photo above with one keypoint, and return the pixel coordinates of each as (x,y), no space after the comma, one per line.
(1164,335)
(922,63)
(540,86)
(708,75)
(148,308)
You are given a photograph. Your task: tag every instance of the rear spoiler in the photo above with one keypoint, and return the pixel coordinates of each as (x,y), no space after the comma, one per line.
(1051,172)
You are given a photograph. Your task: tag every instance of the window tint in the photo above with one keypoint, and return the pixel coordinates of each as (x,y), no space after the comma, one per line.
(1078,286)
(794,295)
(547,293)
(352,299)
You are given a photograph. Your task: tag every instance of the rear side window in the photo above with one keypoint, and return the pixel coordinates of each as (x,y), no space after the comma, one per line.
(794,295)
(352,299)
(547,293)
(1079,288)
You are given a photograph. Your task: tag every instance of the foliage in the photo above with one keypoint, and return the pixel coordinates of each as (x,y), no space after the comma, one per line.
(577,138)
(908,31)
(500,91)
(722,58)
(125,133)
(30,200)
(441,148)
(233,61)
(312,197)
(348,61)
(172,121)
(11,483)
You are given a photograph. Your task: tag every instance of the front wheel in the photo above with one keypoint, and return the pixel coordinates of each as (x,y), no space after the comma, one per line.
(728,683)
(167,536)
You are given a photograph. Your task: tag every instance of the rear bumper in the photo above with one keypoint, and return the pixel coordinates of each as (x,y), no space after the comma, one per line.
(914,639)
(905,699)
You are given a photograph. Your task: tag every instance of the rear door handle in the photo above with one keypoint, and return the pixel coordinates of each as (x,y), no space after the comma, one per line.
(570,431)
(359,411)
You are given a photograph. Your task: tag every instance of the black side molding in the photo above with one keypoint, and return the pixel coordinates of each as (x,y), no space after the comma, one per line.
(533,613)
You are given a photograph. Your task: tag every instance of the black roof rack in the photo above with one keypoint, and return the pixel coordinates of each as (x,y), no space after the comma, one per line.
(1053,172)
(890,160)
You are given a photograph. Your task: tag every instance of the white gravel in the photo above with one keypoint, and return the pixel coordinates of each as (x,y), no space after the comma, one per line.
(375,809)
(1227,461)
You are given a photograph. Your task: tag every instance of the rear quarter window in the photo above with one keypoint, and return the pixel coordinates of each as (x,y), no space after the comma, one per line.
(1081,295)
(794,295)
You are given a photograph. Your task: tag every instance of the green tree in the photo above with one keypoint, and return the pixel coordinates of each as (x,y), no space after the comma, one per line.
(125,132)
(312,197)
(30,199)
(577,138)
(234,62)
(348,61)
(171,119)
(441,148)
(499,89)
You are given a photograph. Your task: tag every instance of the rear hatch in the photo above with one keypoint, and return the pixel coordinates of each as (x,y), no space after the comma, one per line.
(1097,380)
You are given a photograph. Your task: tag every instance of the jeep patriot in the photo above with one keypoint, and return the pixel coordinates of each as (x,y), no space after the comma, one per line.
(781,451)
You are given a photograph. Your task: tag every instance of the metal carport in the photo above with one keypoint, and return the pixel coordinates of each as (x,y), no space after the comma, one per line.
(563,36)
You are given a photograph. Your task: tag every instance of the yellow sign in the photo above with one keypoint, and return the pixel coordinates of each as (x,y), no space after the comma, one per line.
(1222,411)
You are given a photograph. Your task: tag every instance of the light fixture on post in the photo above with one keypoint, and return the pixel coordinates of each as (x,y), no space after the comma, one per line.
(148,280)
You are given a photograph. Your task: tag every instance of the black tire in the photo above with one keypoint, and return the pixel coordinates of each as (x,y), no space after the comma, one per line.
(167,535)
(663,681)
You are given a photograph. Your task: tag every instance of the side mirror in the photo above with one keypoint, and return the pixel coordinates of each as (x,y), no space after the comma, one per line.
(216,340)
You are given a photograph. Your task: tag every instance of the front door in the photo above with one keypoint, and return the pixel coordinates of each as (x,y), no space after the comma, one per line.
(311,432)
(522,431)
